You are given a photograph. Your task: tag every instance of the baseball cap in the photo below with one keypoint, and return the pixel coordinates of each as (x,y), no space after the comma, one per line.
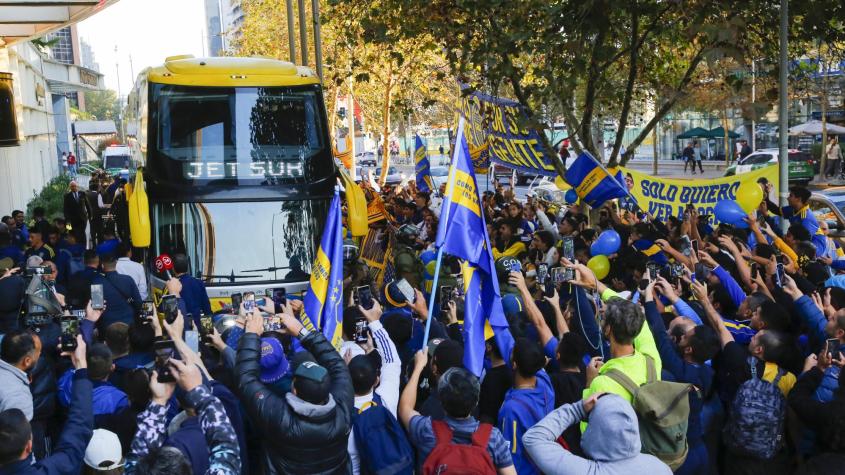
(273,363)
(512,304)
(393,296)
(311,382)
(104,451)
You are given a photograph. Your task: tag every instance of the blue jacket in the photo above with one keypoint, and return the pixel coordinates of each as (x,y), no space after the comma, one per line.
(195,297)
(815,320)
(584,321)
(117,289)
(68,453)
(63,260)
(730,284)
(106,398)
(521,410)
(700,376)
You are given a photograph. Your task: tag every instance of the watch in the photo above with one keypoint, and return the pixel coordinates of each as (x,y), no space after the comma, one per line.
(303,333)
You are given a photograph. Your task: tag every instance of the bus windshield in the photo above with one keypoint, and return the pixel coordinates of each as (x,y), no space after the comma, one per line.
(242,242)
(242,136)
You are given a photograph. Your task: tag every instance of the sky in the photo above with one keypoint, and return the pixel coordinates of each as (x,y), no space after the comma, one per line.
(146,30)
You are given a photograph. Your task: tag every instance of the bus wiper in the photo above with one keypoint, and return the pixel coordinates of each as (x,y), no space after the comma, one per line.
(269,269)
(231,277)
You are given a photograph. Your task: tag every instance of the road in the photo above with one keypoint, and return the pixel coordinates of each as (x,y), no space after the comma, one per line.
(665,169)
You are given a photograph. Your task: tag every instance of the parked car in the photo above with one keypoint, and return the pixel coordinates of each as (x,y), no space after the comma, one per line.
(830,206)
(801,164)
(365,159)
(393,176)
(439,175)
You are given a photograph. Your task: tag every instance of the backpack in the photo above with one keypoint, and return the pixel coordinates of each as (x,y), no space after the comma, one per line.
(662,409)
(74,263)
(464,459)
(755,426)
(382,445)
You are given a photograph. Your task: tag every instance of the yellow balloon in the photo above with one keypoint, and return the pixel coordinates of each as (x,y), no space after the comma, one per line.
(600,265)
(748,196)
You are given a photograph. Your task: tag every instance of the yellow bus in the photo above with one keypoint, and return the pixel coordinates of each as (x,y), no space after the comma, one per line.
(237,160)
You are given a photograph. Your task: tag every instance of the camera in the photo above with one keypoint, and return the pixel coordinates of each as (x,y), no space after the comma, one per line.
(37,270)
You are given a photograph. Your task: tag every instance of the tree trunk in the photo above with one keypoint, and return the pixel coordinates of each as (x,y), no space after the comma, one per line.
(823,165)
(655,146)
(385,130)
(629,86)
(726,140)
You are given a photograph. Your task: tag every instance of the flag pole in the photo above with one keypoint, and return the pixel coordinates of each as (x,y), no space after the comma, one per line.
(443,221)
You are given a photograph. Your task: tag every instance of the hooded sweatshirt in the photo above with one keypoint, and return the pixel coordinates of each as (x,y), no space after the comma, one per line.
(611,442)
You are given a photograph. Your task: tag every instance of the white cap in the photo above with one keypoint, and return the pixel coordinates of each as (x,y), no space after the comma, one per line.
(104,451)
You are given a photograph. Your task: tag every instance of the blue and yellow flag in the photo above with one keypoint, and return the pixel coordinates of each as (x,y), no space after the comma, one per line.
(325,290)
(423,167)
(592,182)
(463,233)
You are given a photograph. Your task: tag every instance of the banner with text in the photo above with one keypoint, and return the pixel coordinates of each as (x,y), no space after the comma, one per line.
(496,131)
(664,197)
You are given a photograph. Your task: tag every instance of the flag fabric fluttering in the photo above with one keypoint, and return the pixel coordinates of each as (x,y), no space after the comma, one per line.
(593,183)
(324,296)
(422,167)
(463,233)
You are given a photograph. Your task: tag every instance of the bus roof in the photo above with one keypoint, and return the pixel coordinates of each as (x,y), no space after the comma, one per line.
(230,72)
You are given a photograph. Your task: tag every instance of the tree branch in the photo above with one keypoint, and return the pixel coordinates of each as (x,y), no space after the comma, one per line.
(666,107)
(590,94)
(629,87)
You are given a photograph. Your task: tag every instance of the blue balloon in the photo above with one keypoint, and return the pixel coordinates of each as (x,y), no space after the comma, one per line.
(428,256)
(729,212)
(607,243)
(570,197)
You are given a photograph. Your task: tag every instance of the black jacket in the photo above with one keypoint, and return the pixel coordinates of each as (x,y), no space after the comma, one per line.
(76,210)
(824,418)
(297,443)
(12,293)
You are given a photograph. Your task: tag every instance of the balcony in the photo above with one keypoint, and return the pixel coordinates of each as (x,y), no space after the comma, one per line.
(21,20)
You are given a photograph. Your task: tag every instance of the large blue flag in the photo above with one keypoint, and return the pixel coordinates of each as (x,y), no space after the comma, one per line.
(463,233)
(324,296)
(423,167)
(593,183)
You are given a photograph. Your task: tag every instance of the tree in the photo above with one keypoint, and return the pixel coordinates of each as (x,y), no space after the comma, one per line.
(102,105)
(580,60)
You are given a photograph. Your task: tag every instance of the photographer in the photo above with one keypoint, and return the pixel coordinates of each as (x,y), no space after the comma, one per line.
(12,294)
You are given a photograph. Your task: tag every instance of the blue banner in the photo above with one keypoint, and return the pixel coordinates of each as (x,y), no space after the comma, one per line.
(463,233)
(497,132)
(422,167)
(593,183)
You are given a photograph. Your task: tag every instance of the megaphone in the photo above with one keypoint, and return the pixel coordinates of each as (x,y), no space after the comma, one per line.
(163,263)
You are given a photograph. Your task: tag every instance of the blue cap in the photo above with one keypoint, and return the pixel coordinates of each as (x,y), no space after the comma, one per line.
(274,364)
(512,304)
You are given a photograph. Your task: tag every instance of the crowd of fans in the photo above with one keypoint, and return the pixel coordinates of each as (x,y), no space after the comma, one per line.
(702,350)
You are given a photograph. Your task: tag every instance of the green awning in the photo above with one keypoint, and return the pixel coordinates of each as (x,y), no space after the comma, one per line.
(693,133)
(719,133)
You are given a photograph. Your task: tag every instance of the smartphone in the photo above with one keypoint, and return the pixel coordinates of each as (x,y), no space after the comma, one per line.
(272,323)
(70,328)
(445,298)
(361,330)
(364,296)
(832,348)
(97,302)
(237,299)
(702,272)
(779,272)
(279,296)
(148,309)
(164,350)
(407,290)
(542,273)
(652,271)
(569,248)
(249,301)
(515,266)
(676,271)
(754,271)
(169,308)
(695,247)
(686,245)
(563,274)
(206,325)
